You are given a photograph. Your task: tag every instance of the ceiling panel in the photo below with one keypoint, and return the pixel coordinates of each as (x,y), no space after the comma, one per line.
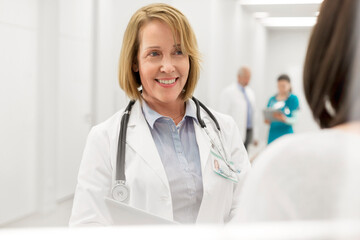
(273,11)
(288,10)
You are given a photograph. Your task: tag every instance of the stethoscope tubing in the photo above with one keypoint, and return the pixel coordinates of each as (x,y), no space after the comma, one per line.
(202,123)
(120,161)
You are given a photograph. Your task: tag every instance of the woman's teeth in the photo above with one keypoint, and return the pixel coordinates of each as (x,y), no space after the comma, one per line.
(171,81)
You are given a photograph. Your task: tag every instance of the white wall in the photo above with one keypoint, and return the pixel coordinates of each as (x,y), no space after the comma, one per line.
(74,90)
(47,79)
(18,101)
(46,66)
(253,47)
(107,96)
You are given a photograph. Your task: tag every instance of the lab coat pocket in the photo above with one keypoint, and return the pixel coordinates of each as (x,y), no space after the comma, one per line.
(218,195)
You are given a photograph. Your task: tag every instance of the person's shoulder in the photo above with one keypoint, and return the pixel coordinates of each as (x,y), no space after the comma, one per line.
(249,90)
(295,139)
(230,88)
(307,140)
(293,97)
(302,147)
(293,101)
(273,97)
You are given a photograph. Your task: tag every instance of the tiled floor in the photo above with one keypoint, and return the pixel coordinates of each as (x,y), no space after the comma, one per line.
(57,218)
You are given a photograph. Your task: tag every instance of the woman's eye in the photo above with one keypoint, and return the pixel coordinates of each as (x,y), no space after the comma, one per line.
(154,54)
(178,52)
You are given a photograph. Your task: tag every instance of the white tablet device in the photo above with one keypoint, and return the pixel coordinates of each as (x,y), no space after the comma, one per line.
(123,214)
(268,114)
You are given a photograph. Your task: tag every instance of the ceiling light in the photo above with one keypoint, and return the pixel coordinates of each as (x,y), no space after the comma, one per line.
(260,15)
(274,2)
(289,21)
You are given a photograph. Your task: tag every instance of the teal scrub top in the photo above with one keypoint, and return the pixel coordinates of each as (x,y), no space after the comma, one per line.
(277,128)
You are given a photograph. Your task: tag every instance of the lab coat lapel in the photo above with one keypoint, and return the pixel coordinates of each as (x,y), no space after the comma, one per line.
(140,139)
(203,143)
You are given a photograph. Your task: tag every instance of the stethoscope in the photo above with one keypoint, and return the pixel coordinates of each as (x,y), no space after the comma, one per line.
(121,191)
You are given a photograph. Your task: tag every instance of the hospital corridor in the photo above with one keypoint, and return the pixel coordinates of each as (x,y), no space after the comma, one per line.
(206,119)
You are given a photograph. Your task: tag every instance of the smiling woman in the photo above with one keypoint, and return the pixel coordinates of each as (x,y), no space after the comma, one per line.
(180,36)
(172,145)
(162,67)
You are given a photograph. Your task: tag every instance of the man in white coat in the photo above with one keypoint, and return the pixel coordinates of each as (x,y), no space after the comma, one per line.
(238,101)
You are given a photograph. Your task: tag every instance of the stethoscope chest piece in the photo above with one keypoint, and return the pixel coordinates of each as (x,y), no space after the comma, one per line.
(120,191)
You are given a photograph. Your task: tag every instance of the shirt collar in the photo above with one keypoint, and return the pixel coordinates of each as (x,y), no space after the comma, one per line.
(152,116)
(190,110)
(241,87)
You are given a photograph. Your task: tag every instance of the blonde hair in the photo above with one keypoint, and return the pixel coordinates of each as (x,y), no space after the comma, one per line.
(128,79)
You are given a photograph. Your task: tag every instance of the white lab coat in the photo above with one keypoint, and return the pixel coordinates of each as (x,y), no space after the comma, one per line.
(232,102)
(145,174)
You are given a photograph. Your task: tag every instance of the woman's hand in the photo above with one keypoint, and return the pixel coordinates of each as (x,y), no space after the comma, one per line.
(279,116)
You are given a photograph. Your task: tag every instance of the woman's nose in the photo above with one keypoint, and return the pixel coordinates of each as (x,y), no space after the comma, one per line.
(167,65)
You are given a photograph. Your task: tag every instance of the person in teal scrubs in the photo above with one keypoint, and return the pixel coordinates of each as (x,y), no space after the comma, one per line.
(287,104)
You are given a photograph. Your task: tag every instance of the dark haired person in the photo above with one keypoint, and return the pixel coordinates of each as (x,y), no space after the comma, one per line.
(287,104)
(315,175)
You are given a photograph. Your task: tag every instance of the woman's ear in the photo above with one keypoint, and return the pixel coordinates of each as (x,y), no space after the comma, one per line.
(135,67)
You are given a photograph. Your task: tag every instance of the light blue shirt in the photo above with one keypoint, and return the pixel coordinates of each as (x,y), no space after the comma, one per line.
(179,153)
(249,108)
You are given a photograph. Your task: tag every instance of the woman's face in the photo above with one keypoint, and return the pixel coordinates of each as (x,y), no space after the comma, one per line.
(284,87)
(162,67)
